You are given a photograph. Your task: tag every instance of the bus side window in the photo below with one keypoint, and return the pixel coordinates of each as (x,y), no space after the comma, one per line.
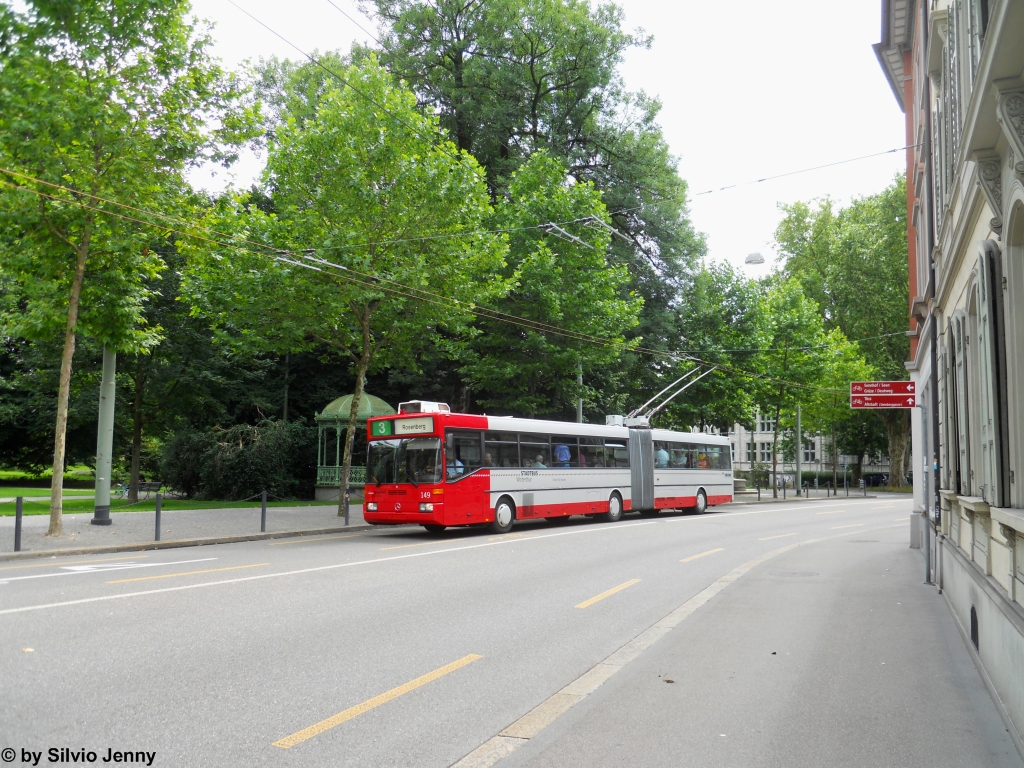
(714,454)
(679,458)
(693,456)
(463,454)
(591,452)
(616,454)
(565,452)
(535,451)
(503,448)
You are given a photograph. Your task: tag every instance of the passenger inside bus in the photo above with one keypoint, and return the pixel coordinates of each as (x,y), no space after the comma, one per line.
(562,456)
(455,467)
(538,461)
(661,456)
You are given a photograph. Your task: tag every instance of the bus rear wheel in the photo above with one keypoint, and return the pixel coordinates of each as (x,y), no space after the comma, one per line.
(435,528)
(504,516)
(702,502)
(614,513)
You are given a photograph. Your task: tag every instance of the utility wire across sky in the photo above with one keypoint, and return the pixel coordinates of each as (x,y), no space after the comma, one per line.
(341,272)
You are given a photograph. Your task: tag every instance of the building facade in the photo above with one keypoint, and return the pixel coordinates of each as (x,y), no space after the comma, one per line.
(957,69)
(752,449)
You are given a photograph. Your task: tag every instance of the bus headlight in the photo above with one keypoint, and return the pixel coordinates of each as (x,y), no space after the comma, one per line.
(426,507)
(371,506)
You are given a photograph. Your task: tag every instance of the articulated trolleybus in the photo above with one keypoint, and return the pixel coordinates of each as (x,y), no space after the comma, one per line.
(434,468)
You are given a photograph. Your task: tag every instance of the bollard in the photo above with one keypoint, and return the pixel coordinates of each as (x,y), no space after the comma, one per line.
(18,509)
(784,484)
(846,485)
(346,505)
(759,489)
(263,514)
(159,509)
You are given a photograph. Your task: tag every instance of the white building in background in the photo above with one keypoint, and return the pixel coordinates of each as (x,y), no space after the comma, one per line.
(957,69)
(753,448)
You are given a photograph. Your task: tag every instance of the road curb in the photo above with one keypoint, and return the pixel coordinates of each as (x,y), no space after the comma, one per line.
(175,544)
(797,499)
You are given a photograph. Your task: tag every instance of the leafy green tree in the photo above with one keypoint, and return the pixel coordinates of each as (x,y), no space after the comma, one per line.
(793,360)
(853,263)
(514,77)
(369,186)
(111,101)
(560,279)
(718,316)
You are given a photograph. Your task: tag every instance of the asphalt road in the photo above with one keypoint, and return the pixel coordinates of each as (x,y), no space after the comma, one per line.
(397,648)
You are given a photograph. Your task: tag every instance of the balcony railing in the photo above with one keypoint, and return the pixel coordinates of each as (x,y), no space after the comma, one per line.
(331,476)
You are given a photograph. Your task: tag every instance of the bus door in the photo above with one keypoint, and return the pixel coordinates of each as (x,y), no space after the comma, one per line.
(641,468)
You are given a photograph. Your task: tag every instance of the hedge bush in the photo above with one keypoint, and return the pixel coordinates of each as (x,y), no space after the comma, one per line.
(241,461)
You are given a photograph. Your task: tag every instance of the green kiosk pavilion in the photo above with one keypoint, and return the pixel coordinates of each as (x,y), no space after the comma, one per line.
(331,423)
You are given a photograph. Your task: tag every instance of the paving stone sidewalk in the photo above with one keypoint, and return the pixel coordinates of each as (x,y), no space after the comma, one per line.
(197,526)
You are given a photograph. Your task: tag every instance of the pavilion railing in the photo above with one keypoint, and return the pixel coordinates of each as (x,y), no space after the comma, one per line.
(331,476)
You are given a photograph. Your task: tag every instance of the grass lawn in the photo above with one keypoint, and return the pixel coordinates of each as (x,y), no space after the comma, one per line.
(83,506)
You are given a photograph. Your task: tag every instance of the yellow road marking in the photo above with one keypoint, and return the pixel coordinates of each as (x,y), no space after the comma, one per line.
(902,519)
(882,506)
(702,554)
(780,536)
(300,539)
(855,525)
(609,593)
(359,709)
(831,512)
(77,562)
(187,573)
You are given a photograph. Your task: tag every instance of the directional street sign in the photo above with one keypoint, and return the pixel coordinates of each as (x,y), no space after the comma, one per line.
(882,388)
(883,401)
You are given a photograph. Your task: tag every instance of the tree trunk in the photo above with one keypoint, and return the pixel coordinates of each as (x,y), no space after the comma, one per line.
(287,373)
(897,428)
(140,391)
(353,414)
(858,470)
(64,391)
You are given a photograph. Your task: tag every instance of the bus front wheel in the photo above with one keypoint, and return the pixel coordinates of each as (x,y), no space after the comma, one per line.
(504,516)
(614,513)
(434,528)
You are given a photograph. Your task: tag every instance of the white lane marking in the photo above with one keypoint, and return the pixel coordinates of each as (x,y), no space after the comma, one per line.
(73,570)
(431,553)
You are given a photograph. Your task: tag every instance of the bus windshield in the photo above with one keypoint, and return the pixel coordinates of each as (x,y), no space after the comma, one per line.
(411,460)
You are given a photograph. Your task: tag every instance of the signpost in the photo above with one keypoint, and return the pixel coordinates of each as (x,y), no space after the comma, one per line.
(883,394)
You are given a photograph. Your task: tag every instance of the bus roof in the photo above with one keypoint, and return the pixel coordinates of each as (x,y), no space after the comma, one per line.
(515,424)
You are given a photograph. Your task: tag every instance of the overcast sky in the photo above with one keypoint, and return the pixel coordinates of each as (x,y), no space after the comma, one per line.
(750,89)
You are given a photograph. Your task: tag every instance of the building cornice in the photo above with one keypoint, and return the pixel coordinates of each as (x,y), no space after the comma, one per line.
(897,37)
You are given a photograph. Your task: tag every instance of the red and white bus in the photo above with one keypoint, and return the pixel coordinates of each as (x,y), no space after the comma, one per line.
(430,467)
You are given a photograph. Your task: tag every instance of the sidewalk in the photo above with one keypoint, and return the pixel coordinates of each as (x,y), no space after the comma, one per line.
(832,654)
(179,527)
